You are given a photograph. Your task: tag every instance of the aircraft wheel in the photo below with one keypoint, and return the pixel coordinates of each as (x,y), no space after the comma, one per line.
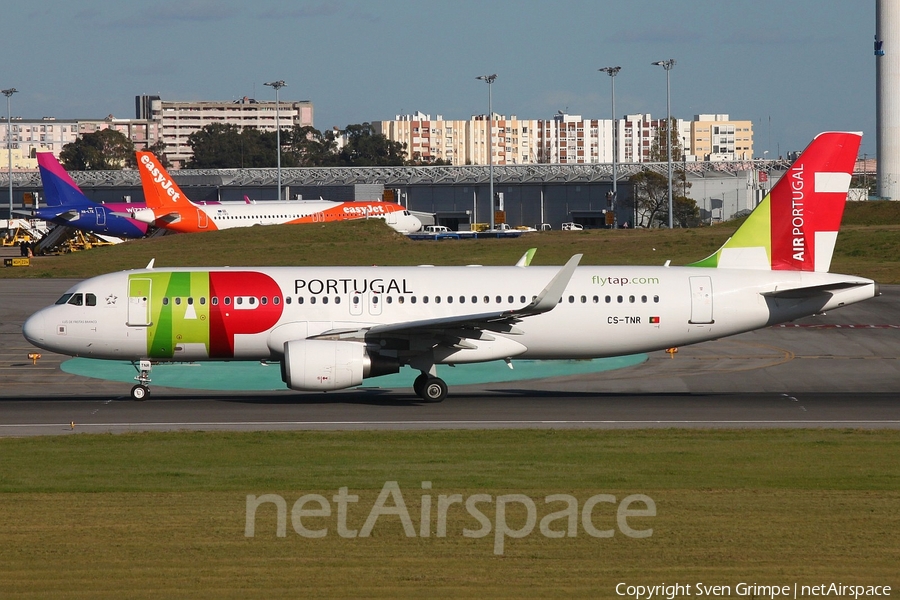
(140,392)
(434,390)
(419,384)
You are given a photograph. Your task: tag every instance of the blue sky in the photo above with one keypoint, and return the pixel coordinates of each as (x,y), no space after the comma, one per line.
(793,67)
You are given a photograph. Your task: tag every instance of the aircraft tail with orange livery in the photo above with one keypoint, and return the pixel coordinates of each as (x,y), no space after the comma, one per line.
(168,207)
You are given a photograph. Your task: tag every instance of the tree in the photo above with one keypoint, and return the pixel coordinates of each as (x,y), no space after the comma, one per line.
(311,148)
(365,148)
(104,150)
(659,152)
(158,148)
(227,146)
(685,212)
(651,195)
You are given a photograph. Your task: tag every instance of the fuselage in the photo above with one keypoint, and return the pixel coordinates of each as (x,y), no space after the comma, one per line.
(249,314)
(243,214)
(104,219)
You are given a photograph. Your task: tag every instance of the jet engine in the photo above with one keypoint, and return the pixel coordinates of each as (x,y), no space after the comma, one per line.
(321,365)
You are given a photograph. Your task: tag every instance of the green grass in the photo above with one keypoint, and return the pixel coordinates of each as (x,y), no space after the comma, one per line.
(869,246)
(144,515)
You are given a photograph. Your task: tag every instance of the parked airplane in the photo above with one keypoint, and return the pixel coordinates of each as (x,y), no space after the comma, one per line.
(332,327)
(67,205)
(168,207)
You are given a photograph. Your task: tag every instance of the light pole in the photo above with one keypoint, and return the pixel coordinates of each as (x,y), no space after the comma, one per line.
(277,85)
(667,65)
(612,72)
(9,92)
(489,79)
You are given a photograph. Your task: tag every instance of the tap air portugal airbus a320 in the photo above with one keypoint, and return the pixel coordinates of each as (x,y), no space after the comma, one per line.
(332,327)
(169,208)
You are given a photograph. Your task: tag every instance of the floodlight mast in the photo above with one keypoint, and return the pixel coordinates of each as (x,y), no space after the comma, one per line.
(277,85)
(9,92)
(489,79)
(612,72)
(667,65)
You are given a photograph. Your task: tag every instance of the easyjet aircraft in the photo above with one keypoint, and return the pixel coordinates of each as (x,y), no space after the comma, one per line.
(332,327)
(168,207)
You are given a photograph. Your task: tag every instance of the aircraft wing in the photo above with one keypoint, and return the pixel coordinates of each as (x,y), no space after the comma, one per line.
(499,321)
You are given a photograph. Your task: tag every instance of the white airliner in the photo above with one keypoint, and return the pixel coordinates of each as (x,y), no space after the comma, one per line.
(332,327)
(169,208)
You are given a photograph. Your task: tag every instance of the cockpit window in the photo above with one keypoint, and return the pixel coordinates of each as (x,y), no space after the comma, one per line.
(76,300)
(64,299)
(90,299)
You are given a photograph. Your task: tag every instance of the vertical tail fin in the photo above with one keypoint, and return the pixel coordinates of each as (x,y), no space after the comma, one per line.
(795,227)
(160,191)
(59,188)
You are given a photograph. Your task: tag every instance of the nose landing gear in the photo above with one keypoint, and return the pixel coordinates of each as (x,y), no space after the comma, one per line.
(142,389)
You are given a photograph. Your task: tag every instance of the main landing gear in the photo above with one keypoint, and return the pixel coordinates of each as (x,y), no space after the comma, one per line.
(430,388)
(142,389)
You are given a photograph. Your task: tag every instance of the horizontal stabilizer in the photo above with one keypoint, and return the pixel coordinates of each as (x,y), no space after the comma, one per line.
(172,217)
(814,290)
(69,215)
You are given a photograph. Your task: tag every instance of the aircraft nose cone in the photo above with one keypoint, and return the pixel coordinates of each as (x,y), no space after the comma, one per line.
(34,329)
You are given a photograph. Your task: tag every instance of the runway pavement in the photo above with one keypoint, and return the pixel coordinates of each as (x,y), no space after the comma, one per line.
(838,370)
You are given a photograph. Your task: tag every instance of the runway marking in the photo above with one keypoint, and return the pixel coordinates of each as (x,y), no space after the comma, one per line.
(845,357)
(835,326)
(513,422)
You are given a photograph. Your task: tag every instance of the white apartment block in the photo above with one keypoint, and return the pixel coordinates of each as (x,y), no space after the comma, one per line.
(462,142)
(565,139)
(178,120)
(569,139)
(637,132)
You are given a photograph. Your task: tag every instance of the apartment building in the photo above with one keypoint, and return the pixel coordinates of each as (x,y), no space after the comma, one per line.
(637,132)
(564,139)
(29,136)
(570,139)
(462,142)
(178,120)
(513,140)
(718,138)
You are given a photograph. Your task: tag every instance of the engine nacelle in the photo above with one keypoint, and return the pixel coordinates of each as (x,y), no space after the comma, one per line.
(323,364)
(316,365)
